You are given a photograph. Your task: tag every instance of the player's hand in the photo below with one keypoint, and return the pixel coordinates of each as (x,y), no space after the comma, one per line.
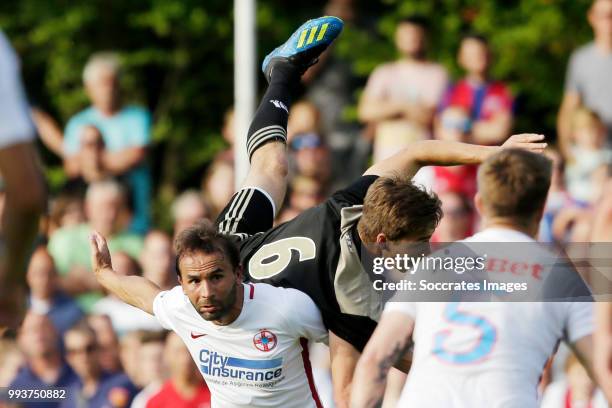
(100,255)
(528,141)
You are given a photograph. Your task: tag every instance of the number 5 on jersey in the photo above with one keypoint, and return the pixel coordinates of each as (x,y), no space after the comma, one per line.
(480,350)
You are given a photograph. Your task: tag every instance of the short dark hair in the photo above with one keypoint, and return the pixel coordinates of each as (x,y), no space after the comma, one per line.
(417,20)
(514,183)
(399,209)
(204,237)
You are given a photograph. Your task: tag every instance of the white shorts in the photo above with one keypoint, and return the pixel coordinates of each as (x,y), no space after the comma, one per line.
(15,122)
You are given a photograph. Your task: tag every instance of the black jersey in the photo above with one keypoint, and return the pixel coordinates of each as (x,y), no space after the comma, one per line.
(317,253)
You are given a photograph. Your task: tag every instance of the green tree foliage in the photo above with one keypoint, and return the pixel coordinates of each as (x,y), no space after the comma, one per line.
(178,56)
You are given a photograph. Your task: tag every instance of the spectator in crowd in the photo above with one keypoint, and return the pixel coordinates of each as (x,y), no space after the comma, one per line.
(44,366)
(130,344)
(487,102)
(458,218)
(558,197)
(401,97)
(303,118)
(151,361)
(94,386)
(107,343)
(453,125)
(104,203)
(218,185)
(11,361)
(585,154)
(576,390)
(125,317)
(88,164)
(190,207)
(588,81)
(312,159)
(126,130)
(185,388)
(157,259)
(305,192)
(46,298)
(66,210)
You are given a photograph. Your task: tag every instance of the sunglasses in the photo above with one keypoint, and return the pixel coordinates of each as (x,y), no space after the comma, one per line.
(90,348)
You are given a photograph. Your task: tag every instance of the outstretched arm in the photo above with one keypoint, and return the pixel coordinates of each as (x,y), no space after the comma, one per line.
(443,153)
(134,290)
(389,342)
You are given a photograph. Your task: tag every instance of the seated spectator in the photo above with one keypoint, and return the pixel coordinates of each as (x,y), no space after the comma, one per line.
(151,361)
(130,344)
(107,343)
(126,130)
(69,246)
(586,154)
(46,298)
(157,259)
(576,390)
(218,185)
(66,210)
(488,102)
(188,208)
(185,388)
(45,366)
(312,157)
(94,387)
(401,97)
(125,317)
(457,220)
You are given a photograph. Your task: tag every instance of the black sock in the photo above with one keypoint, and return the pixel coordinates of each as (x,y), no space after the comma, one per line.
(270,121)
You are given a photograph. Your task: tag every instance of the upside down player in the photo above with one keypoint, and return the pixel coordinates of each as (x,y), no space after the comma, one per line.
(476,354)
(319,251)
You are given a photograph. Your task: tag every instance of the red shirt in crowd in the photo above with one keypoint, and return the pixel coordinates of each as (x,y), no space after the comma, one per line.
(496,97)
(169,397)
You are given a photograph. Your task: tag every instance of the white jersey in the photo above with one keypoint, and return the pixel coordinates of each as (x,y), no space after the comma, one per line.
(260,359)
(15,123)
(475,354)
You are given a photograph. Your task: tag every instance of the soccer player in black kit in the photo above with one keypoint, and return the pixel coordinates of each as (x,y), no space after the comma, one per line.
(318,252)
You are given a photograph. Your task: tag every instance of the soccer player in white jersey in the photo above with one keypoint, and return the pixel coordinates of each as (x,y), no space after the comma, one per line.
(248,340)
(480,354)
(23,183)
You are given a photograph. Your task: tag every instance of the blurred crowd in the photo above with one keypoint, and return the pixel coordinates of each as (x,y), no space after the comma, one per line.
(113,354)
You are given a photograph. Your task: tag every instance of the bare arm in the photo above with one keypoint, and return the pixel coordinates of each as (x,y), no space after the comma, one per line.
(389,342)
(602,365)
(443,153)
(571,101)
(492,131)
(344,358)
(372,109)
(49,131)
(134,290)
(121,161)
